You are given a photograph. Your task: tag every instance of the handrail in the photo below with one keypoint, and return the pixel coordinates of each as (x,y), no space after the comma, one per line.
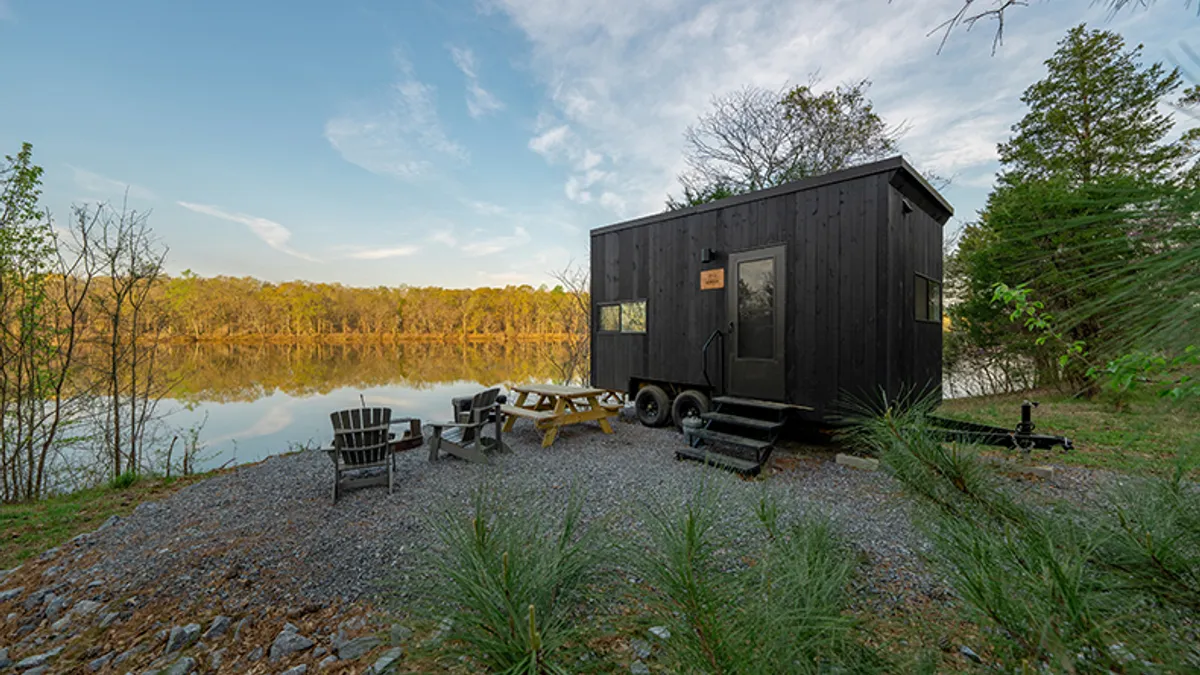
(704,355)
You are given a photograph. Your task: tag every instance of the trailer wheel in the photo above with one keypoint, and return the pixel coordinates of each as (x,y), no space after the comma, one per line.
(653,406)
(689,403)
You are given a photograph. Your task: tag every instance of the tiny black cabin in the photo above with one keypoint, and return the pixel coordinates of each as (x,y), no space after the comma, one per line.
(799,294)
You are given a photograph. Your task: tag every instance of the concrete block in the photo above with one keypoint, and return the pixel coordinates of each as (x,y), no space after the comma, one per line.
(865,463)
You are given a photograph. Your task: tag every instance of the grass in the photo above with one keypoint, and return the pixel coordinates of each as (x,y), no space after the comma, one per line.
(27,529)
(1144,439)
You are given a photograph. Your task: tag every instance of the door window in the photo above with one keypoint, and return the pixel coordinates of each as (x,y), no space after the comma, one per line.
(756,309)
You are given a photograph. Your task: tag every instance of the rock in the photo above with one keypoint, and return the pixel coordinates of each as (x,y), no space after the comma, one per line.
(355,648)
(40,670)
(4,574)
(661,632)
(215,658)
(25,629)
(182,637)
(10,593)
(969,653)
(61,625)
(96,664)
(318,652)
(183,666)
(640,647)
(108,619)
(296,670)
(288,643)
(399,634)
(242,625)
(219,627)
(50,553)
(12,617)
(289,628)
(4,660)
(86,607)
(327,662)
(55,606)
(35,599)
(639,668)
(386,662)
(38,660)
(255,655)
(128,654)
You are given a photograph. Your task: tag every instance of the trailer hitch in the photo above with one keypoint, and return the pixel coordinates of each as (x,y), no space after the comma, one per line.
(1020,438)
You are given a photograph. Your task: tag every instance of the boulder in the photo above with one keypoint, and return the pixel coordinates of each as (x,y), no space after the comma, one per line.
(97,664)
(660,632)
(10,593)
(288,643)
(296,670)
(355,648)
(219,627)
(184,666)
(38,660)
(327,662)
(86,607)
(182,637)
(387,662)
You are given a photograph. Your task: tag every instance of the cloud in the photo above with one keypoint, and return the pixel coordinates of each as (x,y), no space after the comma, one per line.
(362,253)
(103,185)
(624,78)
(399,136)
(444,237)
(275,420)
(485,208)
(272,233)
(480,102)
(480,246)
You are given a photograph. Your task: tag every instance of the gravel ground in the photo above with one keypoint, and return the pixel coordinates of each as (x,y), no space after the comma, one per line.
(269,532)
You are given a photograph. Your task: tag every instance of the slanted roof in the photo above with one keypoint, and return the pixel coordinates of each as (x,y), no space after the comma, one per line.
(896,164)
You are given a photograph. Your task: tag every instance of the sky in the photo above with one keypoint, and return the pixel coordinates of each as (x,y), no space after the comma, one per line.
(466,143)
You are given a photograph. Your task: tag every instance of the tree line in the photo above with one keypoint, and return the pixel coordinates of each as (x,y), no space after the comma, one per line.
(217,308)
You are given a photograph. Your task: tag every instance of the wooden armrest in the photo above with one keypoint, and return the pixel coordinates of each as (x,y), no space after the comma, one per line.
(439,425)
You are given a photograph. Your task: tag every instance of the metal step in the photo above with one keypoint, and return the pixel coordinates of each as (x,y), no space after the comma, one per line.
(731,439)
(738,421)
(758,403)
(743,466)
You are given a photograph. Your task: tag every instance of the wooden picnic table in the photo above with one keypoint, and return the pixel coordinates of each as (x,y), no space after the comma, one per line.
(555,406)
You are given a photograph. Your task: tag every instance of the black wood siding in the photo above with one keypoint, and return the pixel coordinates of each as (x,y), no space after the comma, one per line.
(850,328)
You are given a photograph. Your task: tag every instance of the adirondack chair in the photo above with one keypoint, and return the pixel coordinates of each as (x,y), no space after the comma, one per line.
(361,440)
(464,437)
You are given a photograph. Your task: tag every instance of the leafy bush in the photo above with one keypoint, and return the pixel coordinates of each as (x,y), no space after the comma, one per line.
(510,575)
(124,481)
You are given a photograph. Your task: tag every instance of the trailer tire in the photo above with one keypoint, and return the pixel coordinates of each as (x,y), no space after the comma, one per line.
(688,402)
(652,405)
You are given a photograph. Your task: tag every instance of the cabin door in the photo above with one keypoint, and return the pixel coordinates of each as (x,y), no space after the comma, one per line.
(756,301)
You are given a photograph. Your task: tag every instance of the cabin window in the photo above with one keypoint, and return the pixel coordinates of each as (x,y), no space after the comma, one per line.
(633,317)
(928,297)
(610,318)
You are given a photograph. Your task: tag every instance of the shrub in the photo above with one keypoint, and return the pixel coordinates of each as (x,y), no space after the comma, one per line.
(124,481)
(1067,588)
(783,610)
(510,575)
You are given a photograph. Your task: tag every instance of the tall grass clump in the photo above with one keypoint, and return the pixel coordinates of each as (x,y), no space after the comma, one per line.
(508,576)
(1064,588)
(778,606)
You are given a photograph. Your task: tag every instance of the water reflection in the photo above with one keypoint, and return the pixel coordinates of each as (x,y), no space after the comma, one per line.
(261,400)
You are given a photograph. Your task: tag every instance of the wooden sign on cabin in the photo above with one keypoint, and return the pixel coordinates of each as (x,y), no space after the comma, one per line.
(712,279)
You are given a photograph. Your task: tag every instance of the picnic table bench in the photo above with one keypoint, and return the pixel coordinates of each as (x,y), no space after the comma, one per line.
(556,406)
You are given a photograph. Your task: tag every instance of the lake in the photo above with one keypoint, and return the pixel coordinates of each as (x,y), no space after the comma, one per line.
(263,399)
(257,400)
